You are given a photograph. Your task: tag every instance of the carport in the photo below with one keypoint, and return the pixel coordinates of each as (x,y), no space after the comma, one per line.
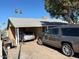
(28,29)
(15,25)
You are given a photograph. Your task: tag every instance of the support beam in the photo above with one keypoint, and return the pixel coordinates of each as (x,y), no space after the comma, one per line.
(17,36)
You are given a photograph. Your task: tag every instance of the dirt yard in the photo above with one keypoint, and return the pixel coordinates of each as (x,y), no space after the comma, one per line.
(31,50)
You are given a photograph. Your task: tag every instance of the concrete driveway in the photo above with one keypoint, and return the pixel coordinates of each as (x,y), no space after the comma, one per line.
(31,50)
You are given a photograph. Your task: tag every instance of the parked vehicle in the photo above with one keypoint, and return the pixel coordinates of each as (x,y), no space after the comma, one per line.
(6,42)
(27,36)
(65,37)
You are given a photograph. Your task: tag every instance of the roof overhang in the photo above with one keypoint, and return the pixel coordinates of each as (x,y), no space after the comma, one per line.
(29,22)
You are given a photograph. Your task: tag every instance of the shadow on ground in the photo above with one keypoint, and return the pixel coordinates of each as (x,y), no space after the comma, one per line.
(76,55)
(19,54)
(23,42)
(4,54)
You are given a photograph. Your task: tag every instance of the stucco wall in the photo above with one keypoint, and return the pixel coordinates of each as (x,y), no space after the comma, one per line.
(11,34)
(39,30)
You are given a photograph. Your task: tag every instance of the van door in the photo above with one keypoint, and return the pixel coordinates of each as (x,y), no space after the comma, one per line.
(55,37)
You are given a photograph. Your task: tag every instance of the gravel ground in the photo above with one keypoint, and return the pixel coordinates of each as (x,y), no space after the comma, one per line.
(31,50)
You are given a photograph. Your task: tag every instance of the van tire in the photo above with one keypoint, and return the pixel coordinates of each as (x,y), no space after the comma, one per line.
(39,41)
(67,49)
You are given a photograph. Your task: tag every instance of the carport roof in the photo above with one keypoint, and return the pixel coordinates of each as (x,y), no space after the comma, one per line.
(32,22)
(26,22)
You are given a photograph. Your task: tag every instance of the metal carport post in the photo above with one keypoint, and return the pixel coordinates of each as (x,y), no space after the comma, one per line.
(17,36)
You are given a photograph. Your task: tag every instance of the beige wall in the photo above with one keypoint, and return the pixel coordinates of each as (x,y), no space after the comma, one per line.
(38,30)
(11,34)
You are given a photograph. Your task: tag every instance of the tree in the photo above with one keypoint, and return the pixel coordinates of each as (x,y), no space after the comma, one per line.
(68,9)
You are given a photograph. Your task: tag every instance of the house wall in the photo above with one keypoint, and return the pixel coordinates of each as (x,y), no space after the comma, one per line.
(11,34)
(39,30)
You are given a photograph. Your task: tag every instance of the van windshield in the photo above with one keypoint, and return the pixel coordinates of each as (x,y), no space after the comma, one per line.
(70,31)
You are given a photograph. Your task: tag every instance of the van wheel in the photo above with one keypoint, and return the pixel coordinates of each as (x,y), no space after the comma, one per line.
(39,41)
(67,49)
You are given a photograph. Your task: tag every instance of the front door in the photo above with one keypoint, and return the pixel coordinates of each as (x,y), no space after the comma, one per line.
(54,37)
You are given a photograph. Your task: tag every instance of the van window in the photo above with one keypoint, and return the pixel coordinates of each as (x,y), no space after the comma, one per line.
(48,31)
(70,31)
(55,31)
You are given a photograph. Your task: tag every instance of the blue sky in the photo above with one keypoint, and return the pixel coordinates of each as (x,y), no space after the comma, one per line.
(30,9)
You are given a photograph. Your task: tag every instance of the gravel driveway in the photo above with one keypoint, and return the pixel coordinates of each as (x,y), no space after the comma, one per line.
(31,50)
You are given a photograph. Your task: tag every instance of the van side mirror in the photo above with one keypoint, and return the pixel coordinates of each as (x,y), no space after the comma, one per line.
(47,31)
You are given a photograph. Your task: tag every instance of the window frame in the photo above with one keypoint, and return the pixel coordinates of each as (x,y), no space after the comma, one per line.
(51,31)
(66,33)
